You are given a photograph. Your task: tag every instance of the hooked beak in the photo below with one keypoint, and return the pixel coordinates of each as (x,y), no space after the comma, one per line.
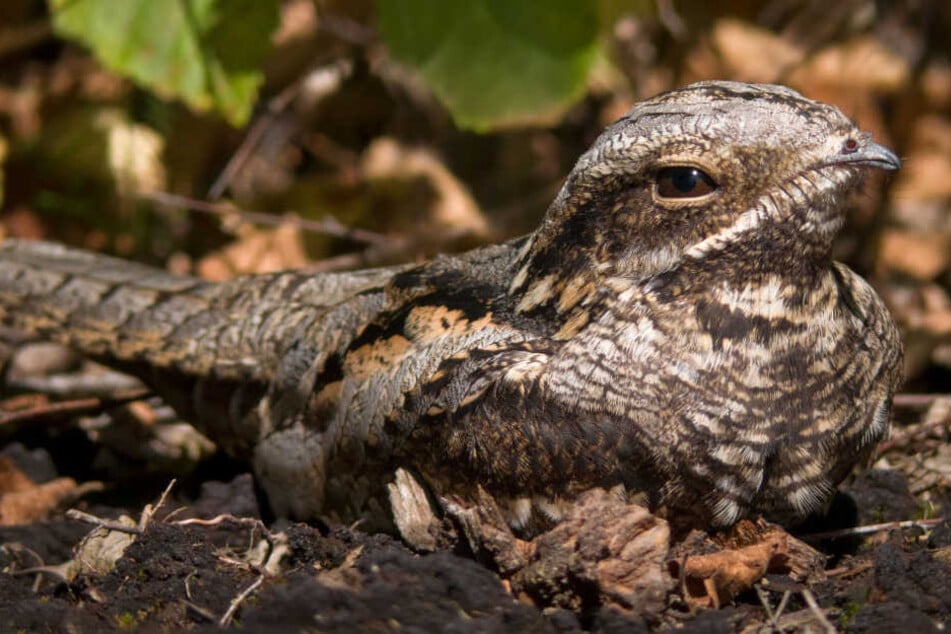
(869,154)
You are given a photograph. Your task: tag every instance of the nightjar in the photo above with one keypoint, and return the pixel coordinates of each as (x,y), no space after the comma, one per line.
(675,327)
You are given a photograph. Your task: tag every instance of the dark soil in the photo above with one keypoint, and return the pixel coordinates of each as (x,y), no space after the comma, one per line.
(335,579)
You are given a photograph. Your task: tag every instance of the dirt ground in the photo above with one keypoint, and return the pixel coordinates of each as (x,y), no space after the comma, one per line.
(176,574)
(369,169)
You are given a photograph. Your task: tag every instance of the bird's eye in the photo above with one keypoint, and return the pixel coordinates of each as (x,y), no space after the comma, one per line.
(683,182)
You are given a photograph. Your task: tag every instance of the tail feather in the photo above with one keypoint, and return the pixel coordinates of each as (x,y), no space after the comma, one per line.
(129,313)
(212,350)
(102,306)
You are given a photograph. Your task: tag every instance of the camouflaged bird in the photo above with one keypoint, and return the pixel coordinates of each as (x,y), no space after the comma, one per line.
(676,327)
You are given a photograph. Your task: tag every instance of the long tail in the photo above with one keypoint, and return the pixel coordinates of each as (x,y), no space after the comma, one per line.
(211,350)
(119,311)
(102,306)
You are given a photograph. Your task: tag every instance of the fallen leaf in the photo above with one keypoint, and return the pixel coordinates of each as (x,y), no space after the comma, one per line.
(861,63)
(135,154)
(256,251)
(12,480)
(743,556)
(102,547)
(23,502)
(714,579)
(489,535)
(453,213)
(917,254)
(751,53)
(922,189)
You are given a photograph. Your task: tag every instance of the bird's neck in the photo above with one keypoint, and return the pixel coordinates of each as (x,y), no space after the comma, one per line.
(556,285)
(568,286)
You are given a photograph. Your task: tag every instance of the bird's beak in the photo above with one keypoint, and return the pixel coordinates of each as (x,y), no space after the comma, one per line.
(870,155)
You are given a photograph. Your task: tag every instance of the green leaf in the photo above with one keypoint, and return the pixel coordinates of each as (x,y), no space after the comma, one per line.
(206,52)
(495,62)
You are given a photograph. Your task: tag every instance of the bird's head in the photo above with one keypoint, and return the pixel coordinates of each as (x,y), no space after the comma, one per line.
(713,172)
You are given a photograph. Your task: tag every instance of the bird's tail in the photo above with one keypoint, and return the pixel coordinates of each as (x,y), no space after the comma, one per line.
(104,307)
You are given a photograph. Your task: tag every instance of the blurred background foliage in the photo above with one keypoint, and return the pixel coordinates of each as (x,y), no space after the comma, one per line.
(220,137)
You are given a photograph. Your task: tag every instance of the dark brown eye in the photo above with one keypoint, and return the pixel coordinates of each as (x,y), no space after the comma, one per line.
(683,182)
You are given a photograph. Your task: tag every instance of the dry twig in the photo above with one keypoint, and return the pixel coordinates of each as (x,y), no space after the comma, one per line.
(874,528)
(36,414)
(328,225)
(817,611)
(917,400)
(82,516)
(227,518)
(226,618)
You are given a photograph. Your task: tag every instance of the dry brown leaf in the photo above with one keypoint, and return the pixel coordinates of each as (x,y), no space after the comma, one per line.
(926,311)
(256,251)
(298,21)
(345,576)
(454,213)
(740,558)
(135,154)
(23,502)
(413,513)
(927,176)
(936,323)
(750,53)
(862,63)
(12,480)
(22,222)
(917,254)
(936,84)
(605,549)
(489,535)
(922,189)
(102,547)
(714,579)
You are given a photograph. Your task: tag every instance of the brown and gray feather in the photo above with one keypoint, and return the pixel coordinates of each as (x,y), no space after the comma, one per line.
(703,350)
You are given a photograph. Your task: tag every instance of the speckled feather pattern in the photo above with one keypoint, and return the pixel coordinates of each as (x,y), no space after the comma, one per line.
(704,352)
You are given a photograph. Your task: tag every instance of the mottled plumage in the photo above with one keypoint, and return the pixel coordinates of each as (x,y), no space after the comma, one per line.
(676,326)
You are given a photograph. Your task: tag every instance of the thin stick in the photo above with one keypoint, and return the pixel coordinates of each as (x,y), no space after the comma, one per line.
(274,107)
(74,407)
(874,528)
(328,226)
(225,620)
(845,572)
(764,601)
(82,516)
(149,511)
(251,522)
(817,611)
(782,604)
(917,400)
